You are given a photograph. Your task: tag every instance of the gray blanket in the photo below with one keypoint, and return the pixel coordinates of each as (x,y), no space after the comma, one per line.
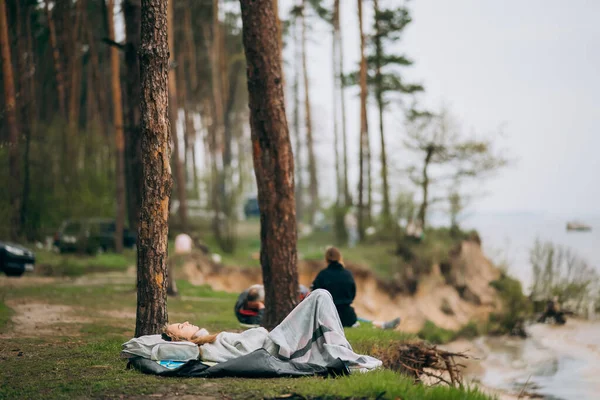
(311,333)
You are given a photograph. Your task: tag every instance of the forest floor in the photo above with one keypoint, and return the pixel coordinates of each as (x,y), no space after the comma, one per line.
(61,330)
(60,337)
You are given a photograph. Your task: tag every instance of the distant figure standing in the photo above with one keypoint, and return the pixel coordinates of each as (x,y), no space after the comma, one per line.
(183,243)
(338,281)
(351,225)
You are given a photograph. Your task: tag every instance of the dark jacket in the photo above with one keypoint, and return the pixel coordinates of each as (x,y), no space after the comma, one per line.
(247,315)
(339,281)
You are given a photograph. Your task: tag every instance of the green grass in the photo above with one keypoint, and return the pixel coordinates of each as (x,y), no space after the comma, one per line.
(437,335)
(82,359)
(49,263)
(365,337)
(5,314)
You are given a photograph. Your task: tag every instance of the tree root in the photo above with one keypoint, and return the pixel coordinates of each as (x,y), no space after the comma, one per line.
(424,362)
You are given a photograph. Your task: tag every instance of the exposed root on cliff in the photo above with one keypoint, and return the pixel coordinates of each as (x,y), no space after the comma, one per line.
(423,362)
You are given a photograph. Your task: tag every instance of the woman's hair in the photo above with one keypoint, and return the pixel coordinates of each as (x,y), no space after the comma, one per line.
(333,255)
(197,340)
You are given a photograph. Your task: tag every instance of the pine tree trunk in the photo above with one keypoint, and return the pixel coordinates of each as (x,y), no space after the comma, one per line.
(273,159)
(156,190)
(340,46)
(173,113)
(299,194)
(133,165)
(118,125)
(422,214)
(217,120)
(10,112)
(188,126)
(58,68)
(190,53)
(96,84)
(335,57)
(364,153)
(280,36)
(313,187)
(76,69)
(386,211)
(28,112)
(191,93)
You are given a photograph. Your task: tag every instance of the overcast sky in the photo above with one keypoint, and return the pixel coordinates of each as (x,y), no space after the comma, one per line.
(529,67)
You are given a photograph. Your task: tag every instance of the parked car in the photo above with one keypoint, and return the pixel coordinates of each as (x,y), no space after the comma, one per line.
(251,208)
(15,259)
(92,235)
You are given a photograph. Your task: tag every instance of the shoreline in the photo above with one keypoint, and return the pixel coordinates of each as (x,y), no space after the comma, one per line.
(561,361)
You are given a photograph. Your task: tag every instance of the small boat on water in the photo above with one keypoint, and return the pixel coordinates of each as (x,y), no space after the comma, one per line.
(578,226)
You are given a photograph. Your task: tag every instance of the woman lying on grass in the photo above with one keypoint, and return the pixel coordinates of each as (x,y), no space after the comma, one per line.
(311,333)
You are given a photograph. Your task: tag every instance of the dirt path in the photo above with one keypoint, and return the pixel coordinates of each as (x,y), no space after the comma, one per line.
(33,318)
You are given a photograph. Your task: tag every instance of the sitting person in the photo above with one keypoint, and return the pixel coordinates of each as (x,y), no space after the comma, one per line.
(311,333)
(250,305)
(339,281)
(553,312)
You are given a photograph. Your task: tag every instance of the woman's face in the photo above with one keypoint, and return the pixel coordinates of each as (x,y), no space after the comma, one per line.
(184,330)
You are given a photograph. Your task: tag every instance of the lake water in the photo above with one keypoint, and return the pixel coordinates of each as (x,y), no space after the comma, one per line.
(510,237)
(558,362)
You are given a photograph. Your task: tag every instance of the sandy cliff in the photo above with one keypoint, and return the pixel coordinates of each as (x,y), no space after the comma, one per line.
(451,295)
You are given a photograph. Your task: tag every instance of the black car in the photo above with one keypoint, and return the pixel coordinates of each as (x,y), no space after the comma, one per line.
(92,235)
(251,208)
(15,259)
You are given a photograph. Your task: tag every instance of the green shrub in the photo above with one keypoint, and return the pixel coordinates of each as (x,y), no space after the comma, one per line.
(516,306)
(436,335)
(469,331)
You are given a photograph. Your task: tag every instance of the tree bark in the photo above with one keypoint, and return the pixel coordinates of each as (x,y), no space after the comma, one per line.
(118,125)
(173,114)
(364,130)
(133,166)
(14,167)
(386,211)
(156,190)
(280,37)
(273,159)
(58,68)
(313,187)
